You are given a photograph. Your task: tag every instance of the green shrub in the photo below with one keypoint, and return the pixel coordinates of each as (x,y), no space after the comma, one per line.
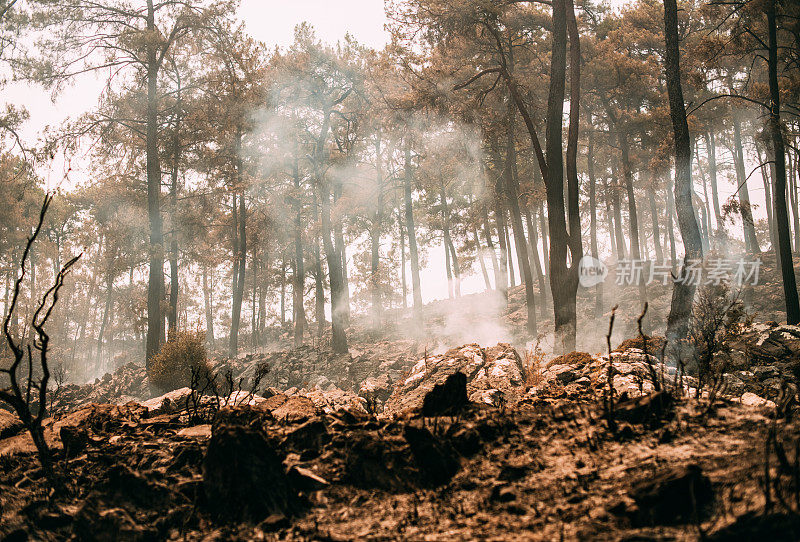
(171,368)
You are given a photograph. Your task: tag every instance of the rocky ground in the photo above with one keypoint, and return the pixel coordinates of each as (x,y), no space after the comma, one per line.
(394,443)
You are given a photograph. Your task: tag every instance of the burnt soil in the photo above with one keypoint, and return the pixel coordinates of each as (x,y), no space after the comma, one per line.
(543,469)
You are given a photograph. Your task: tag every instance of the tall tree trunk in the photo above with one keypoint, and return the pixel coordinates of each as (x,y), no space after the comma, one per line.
(241,256)
(403,279)
(533,246)
(673,258)
(298,287)
(106,312)
(711,149)
(375,238)
(283,289)
(209,307)
(454,277)
(487,233)
(172,314)
(708,233)
(254,298)
(509,256)
(633,217)
(615,205)
(683,290)
(656,226)
(334,260)
(612,228)
(319,287)
(412,236)
(500,225)
(598,300)
(448,269)
(750,239)
(341,249)
(792,181)
(512,196)
(563,277)
(779,194)
(767,181)
(155,281)
(479,255)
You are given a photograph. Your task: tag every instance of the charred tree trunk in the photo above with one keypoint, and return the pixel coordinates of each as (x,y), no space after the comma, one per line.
(106,313)
(673,258)
(375,239)
(283,289)
(155,281)
(403,280)
(239,272)
(500,224)
(598,300)
(533,246)
(612,236)
(412,237)
(454,272)
(512,196)
(683,290)
(319,287)
(172,314)
(750,239)
(779,194)
(711,148)
(622,252)
(298,286)
(208,302)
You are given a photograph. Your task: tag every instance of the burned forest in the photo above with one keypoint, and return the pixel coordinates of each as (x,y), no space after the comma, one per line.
(399,270)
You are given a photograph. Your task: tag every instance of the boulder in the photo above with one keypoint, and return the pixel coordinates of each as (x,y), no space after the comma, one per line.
(10,424)
(496,368)
(678,495)
(376,388)
(243,476)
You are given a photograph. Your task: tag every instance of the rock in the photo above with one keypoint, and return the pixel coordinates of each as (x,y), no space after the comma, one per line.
(435,458)
(10,424)
(495,398)
(170,402)
(448,398)
(644,408)
(379,387)
(375,461)
(74,439)
(572,359)
(765,372)
(202,431)
(335,400)
(673,497)
(243,476)
(499,367)
(308,437)
(305,479)
(753,400)
(295,410)
(503,493)
(271,392)
(563,374)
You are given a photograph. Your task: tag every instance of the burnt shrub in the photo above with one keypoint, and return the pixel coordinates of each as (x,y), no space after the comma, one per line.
(172,367)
